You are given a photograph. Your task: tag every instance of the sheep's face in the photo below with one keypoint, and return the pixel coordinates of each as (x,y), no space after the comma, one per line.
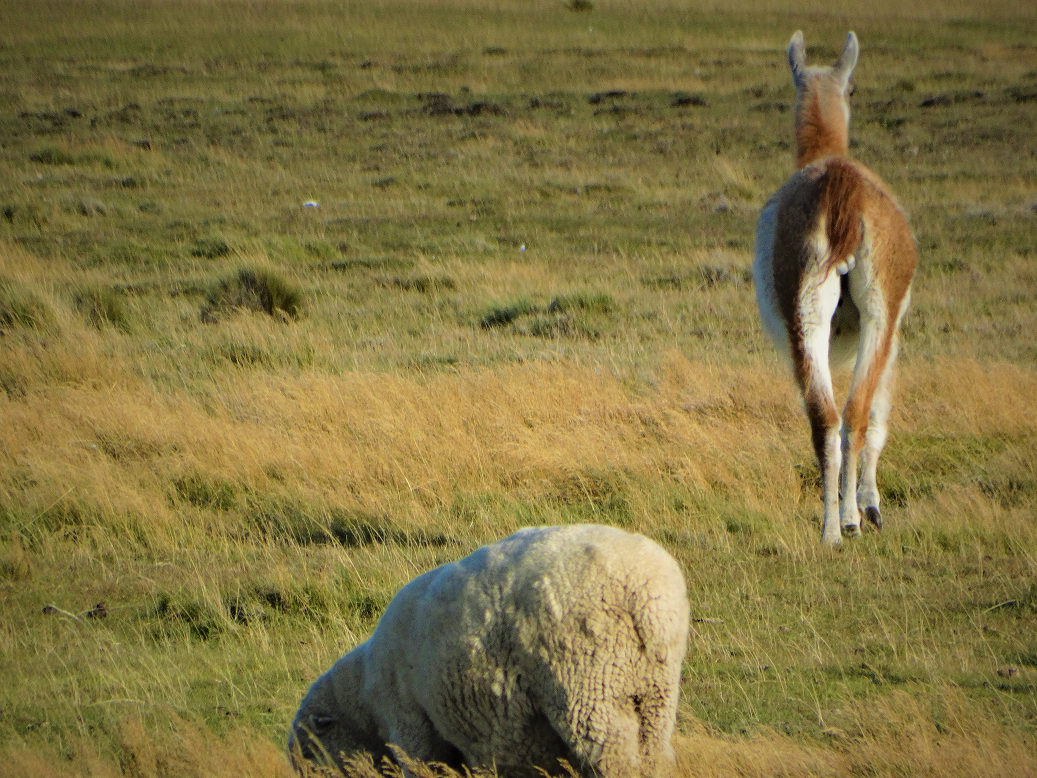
(324,732)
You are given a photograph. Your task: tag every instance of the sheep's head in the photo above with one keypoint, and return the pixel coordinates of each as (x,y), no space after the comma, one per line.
(332,723)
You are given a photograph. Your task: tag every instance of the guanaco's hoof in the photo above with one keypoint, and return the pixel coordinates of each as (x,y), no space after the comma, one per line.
(872,514)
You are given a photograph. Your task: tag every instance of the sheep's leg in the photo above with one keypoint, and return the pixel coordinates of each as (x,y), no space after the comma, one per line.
(635,734)
(603,733)
(656,710)
(413,734)
(611,745)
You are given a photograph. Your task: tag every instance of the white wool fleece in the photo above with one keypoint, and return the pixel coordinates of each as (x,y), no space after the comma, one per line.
(554,643)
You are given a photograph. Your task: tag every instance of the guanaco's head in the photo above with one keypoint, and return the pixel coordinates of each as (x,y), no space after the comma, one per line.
(822,101)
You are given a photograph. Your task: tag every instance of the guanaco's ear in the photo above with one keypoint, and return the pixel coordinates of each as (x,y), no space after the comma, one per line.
(797,57)
(847,61)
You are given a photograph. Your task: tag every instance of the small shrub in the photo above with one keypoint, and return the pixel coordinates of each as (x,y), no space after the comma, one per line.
(684,99)
(701,278)
(24,214)
(501,316)
(91,207)
(128,252)
(556,326)
(427,361)
(13,383)
(366,607)
(371,263)
(241,354)
(124,447)
(245,612)
(320,249)
(210,248)
(260,290)
(308,602)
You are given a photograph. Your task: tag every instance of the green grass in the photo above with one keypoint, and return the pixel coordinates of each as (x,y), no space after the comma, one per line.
(21,306)
(300,299)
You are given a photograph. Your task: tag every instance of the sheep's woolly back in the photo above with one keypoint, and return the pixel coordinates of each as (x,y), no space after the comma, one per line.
(555,643)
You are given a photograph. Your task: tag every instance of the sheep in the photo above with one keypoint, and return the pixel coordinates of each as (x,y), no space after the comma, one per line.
(557,643)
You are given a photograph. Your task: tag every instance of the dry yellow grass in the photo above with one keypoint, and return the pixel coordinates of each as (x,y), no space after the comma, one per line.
(90,446)
(245,491)
(899,736)
(90,431)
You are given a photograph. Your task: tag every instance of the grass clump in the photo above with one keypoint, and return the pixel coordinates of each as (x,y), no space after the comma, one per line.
(262,290)
(196,618)
(575,315)
(15,561)
(210,248)
(202,492)
(103,307)
(503,315)
(594,302)
(21,306)
(52,155)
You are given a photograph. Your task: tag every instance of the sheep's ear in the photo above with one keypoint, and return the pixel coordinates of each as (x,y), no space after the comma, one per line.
(797,57)
(847,61)
(321,724)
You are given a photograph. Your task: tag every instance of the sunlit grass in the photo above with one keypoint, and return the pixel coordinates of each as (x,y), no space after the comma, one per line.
(301,299)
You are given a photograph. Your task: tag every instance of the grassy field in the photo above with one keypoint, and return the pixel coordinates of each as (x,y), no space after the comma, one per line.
(299,299)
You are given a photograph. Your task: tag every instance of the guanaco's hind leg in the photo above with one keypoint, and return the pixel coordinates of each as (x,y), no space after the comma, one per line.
(868,493)
(868,403)
(810,351)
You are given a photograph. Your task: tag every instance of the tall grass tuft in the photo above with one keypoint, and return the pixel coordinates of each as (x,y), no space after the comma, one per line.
(263,290)
(103,307)
(21,306)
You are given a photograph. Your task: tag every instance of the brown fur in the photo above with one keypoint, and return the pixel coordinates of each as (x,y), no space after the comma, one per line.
(895,247)
(841,205)
(820,127)
(821,411)
(829,193)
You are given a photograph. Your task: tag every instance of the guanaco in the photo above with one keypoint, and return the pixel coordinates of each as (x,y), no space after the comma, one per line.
(833,270)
